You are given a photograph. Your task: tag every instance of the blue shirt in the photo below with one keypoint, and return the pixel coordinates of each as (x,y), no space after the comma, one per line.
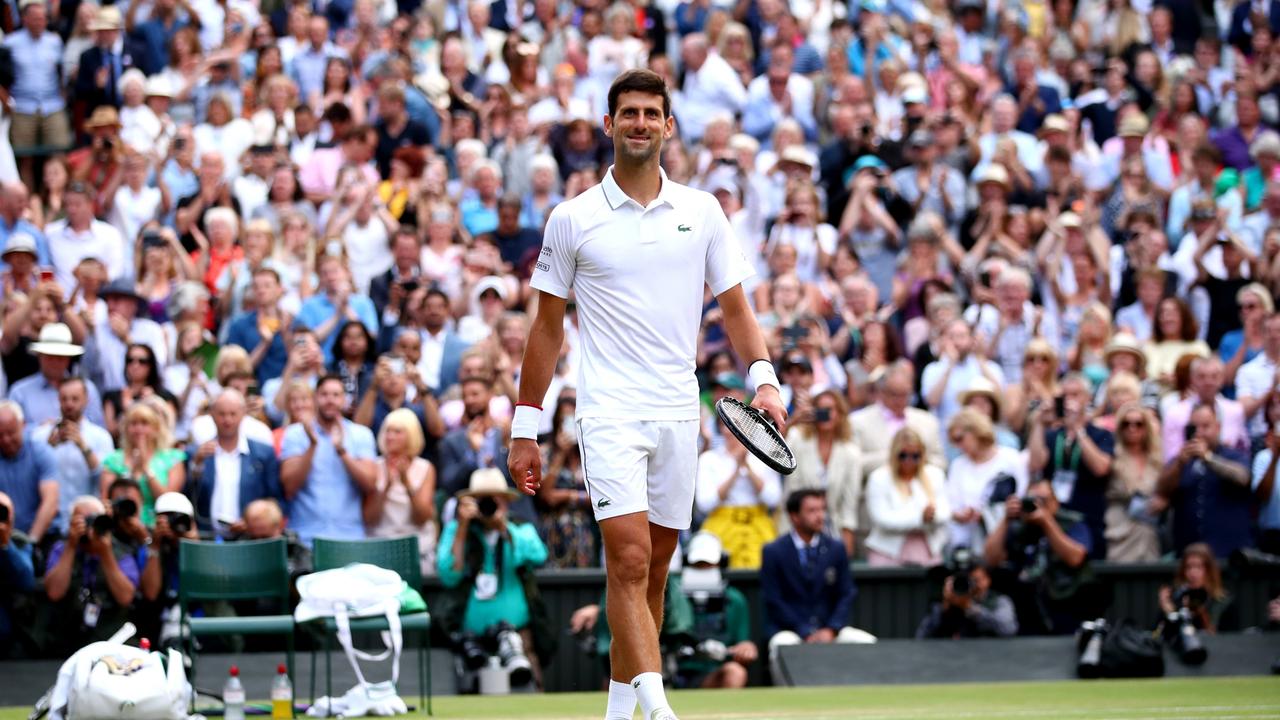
(244,332)
(39,400)
(328,505)
(37,86)
(1228,346)
(153,37)
(308,67)
(21,477)
(477,218)
(22,226)
(1269,514)
(319,308)
(182,183)
(1210,509)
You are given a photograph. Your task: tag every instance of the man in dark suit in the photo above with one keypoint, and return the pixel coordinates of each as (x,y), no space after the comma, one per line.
(1245,16)
(806,582)
(231,470)
(479,443)
(98,79)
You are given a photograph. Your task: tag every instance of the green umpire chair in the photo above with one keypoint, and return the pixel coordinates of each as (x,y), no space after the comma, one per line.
(250,570)
(398,554)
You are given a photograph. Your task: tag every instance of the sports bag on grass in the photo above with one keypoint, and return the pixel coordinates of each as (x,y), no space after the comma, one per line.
(113,681)
(359,590)
(1130,652)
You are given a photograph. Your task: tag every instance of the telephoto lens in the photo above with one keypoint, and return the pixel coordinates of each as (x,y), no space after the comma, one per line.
(1187,642)
(1090,638)
(123,508)
(511,653)
(487,506)
(473,656)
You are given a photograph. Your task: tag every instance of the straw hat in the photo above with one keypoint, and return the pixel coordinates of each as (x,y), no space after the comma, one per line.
(984,388)
(1125,343)
(103,116)
(55,339)
(108,18)
(488,481)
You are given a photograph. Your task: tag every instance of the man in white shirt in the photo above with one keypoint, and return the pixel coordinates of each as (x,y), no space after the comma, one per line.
(1256,378)
(80,235)
(637,250)
(1004,119)
(79,446)
(777,94)
(711,86)
(231,470)
(961,364)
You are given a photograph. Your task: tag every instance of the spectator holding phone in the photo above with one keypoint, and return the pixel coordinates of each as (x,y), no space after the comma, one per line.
(79,446)
(305,364)
(1208,486)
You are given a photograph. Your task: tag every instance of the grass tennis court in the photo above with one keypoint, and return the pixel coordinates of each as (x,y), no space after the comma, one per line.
(1180,699)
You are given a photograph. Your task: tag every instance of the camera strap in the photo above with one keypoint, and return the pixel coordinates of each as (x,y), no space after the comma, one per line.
(1065,473)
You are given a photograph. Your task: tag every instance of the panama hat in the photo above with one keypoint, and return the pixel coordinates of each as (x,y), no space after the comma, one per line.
(488,481)
(985,388)
(1125,343)
(55,339)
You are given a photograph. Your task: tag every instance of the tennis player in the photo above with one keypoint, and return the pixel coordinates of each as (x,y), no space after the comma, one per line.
(637,250)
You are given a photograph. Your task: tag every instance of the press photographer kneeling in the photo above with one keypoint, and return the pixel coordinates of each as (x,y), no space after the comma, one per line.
(1196,603)
(969,607)
(92,575)
(175,521)
(1042,551)
(487,560)
(717,650)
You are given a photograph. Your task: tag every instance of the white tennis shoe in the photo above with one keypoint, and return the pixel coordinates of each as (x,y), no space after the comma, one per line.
(663,714)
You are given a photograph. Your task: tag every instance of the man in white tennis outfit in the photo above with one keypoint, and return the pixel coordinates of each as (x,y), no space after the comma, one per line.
(637,250)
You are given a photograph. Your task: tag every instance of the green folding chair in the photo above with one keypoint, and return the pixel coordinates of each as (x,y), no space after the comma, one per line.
(247,570)
(398,554)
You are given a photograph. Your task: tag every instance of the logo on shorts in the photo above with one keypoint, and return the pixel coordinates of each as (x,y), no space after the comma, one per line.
(683,228)
(636,684)
(604,503)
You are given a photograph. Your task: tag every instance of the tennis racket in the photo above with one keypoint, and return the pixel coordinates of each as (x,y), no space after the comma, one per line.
(757,433)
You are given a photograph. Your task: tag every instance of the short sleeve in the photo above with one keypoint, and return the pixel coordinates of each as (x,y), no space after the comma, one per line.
(557,262)
(361,443)
(115,463)
(295,442)
(726,265)
(46,464)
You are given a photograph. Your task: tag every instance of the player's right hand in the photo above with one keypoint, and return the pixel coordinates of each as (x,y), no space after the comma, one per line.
(525,465)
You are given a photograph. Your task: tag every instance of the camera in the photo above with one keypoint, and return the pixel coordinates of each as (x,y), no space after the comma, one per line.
(1181,633)
(822,414)
(710,649)
(1060,406)
(123,508)
(99,525)
(179,523)
(511,654)
(960,565)
(1190,597)
(152,239)
(1029,505)
(473,655)
(1089,644)
(487,506)
(4,513)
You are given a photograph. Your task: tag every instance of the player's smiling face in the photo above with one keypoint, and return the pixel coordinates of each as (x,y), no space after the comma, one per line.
(638,126)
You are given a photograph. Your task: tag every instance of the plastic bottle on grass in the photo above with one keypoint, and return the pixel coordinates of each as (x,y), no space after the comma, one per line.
(233,696)
(281,695)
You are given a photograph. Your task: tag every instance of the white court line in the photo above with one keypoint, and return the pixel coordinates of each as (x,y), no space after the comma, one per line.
(1112,713)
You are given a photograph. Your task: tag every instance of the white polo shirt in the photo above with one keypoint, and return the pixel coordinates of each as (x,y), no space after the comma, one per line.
(638,275)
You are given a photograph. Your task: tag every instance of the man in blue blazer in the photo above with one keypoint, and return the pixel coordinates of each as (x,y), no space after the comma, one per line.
(231,470)
(806,582)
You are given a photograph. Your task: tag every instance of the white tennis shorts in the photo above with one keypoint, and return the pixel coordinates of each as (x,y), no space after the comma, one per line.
(640,466)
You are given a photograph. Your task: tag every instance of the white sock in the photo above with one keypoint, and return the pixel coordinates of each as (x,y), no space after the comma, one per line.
(650,693)
(622,701)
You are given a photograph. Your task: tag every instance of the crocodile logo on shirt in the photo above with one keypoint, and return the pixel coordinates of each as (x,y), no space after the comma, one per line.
(683,228)
(604,502)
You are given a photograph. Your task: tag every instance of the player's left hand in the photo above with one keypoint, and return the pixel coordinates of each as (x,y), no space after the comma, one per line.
(769,402)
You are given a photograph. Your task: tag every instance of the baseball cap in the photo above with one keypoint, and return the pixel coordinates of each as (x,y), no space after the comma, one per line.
(869,162)
(174,502)
(704,547)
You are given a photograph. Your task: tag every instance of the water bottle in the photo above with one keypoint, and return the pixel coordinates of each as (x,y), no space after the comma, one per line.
(281,695)
(233,696)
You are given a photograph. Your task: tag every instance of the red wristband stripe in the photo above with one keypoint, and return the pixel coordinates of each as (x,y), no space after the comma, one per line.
(535,407)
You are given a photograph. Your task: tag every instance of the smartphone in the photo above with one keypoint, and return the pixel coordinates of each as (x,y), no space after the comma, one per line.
(46,274)
(396,365)
(1060,406)
(822,414)
(1189,432)
(253,391)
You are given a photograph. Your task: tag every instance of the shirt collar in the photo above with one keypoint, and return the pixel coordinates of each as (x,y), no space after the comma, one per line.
(242,446)
(616,197)
(801,545)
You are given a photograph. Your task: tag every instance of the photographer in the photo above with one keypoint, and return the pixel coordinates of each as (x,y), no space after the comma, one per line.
(717,649)
(1208,486)
(1197,587)
(487,562)
(90,580)
(175,521)
(969,607)
(1044,549)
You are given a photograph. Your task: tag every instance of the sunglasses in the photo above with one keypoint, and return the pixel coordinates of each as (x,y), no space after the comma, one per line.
(1250,306)
(908,457)
(137,361)
(1132,424)
(1037,358)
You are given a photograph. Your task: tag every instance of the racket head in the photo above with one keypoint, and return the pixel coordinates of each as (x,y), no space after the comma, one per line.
(757,433)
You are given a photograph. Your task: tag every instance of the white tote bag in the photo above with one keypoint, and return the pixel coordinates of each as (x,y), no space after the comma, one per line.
(357,590)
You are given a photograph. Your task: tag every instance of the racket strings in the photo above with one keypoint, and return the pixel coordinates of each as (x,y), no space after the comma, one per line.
(757,432)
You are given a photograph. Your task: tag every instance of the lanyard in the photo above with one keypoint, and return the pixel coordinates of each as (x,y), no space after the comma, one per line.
(1059,449)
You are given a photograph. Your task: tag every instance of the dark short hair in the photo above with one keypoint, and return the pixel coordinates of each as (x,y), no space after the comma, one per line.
(409,231)
(264,270)
(796,499)
(123,483)
(72,379)
(437,292)
(642,81)
(331,377)
(510,200)
(359,133)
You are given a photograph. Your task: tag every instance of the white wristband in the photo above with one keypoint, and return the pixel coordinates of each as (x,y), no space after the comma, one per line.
(525,422)
(761,373)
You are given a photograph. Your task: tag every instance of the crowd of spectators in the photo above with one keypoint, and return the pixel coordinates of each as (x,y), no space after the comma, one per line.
(265,268)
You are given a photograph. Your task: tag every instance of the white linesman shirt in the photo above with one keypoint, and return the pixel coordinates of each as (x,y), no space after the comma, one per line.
(637,276)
